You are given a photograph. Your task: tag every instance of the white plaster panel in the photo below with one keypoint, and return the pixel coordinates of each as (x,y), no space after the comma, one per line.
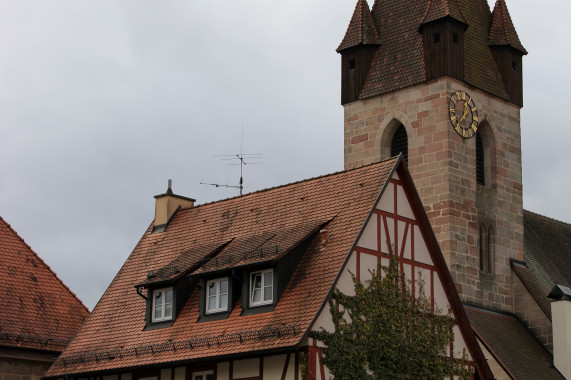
(369,237)
(246,368)
(404,240)
(421,253)
(180,373)
(391,229)
(368,264)
(273,366)
(403,206)
(387,201)
(126,376)
(460,345)
(396,176)
(324,321)
(223,371)
(384,264)
(441,304)
(318,365)
(345,284)
(407,273)
(166,374)
(422,277)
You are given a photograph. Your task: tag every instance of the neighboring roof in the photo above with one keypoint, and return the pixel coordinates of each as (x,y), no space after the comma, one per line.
(113,336)
(503,32)
(547,255)
(521,355)
(361,30)
(531,282)
(38,311)
(399,60)
(440,9)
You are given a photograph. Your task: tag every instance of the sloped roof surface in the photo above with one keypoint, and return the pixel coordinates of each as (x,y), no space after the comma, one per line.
(503,32)
(547,254)
(361,30)
(513,345)
(399,60)
(113,337)
(38,311)
(439,9)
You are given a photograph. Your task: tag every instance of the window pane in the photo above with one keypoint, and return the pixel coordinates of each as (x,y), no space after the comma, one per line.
(268,293)
(211,303)
(168,296)
(168,310)
(158,311)
(223,302)
(268,278)
(257,295)
(209,377)
(158,297)
(257,281)
(224,287)
(212,289)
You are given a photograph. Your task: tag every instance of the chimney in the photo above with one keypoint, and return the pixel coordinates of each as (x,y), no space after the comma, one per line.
(165,206)
(561,324)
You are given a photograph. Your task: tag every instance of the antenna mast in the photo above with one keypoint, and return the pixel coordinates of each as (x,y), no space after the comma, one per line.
(243,158)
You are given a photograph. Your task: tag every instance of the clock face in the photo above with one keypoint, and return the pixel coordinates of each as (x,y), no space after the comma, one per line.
(463,114)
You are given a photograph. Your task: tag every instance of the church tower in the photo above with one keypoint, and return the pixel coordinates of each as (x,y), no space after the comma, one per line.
(441,82)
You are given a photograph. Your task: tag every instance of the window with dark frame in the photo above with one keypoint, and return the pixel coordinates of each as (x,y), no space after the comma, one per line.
(399,143)
(436,38)
(480,164)
(162,305)
(262,288)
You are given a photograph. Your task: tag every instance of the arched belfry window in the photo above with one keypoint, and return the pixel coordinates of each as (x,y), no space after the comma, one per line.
(399,143)
(480,160)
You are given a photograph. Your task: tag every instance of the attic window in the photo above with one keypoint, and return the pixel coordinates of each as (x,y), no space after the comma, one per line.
(217,295)
(206,375)
(514,65)
(162,304)
(261,288)
(436,38)
(455,38)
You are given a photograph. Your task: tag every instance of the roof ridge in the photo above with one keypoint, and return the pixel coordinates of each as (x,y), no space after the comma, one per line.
(295,183)
(43,262)
(547,217)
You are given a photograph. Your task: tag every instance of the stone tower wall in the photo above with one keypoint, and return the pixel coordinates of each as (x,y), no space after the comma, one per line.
(443,166)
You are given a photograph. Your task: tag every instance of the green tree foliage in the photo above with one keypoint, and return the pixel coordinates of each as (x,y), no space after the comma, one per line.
(384,332)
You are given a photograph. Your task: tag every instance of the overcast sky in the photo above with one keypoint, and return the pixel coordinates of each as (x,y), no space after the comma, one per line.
(101,102)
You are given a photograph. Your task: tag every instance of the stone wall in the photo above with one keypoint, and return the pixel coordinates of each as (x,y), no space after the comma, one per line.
(443,166)
(21,370)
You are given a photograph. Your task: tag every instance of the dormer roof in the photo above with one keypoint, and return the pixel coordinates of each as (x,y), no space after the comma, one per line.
(361,30)
(441,9)
(502,32)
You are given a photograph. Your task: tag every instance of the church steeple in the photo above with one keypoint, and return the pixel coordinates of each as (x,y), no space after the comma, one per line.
(442,28)
(508,51)
(357,51)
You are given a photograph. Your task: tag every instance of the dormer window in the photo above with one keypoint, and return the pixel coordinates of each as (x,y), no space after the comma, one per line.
(162,304)
(217,295)
(261,288)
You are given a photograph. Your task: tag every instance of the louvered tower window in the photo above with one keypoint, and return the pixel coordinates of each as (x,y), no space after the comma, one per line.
(400,143)
(480,176)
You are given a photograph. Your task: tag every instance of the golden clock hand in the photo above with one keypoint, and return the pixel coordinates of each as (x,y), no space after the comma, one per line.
(465,113)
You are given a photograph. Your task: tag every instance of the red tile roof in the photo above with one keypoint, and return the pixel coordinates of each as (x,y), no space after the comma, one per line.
(361,30)
(439,9)
(399,60)
(113,336)
(38,311)
(513,346)
(503,32)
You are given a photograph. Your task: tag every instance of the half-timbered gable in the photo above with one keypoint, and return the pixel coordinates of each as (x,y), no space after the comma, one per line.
(231,289)
(397,225)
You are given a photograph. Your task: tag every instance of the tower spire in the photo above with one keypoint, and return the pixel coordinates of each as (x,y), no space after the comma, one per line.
(361,29)
(502,32)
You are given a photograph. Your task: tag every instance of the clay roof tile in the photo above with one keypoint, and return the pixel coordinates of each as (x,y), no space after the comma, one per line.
(502,31)
(361,29)
(440,9)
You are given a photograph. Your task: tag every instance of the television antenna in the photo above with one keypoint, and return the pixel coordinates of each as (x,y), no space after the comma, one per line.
(241,159)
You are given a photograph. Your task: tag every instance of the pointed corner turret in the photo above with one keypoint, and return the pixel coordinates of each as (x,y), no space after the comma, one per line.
(507,51)
(502,31)
(357,51)
(361,29)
